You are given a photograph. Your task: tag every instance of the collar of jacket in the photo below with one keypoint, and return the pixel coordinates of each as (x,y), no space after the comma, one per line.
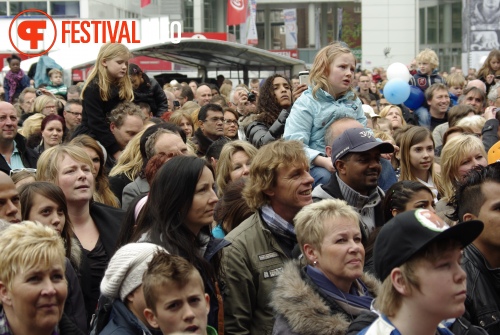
(304,308)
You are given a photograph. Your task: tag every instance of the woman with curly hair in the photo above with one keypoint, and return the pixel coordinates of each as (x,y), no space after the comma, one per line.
(275,100)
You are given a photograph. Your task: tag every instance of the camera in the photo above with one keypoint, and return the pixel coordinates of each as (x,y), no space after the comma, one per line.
(177,103)
(38,93)
(252,97)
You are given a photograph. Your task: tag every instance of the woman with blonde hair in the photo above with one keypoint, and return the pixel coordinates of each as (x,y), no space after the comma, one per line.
(460,155)
(225,90)
(96,226)
(234,163)
(102,192)
(128,166)
(32,125)
(183,119)
(395,115)
(33,285)
(331,290)
(475,122)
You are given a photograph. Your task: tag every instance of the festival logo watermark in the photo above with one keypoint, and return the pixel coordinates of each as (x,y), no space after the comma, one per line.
(35,31)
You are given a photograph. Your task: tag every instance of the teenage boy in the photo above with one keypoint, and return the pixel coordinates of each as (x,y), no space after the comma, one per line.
(122,284)
(418,259)
(175,296)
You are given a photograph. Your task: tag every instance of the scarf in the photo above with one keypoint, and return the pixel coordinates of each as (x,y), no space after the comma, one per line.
(5,328)
(13,79)
(358,296)
(279,226)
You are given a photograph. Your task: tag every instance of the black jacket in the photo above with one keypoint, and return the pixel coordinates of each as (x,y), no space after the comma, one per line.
(490,133)
(117,184)
(202,142)
(28,156)
(259,133)
(95,116)
(151,93)
(482,305)
(108,221)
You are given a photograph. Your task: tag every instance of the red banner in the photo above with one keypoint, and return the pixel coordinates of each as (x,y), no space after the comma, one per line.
(236,12)
(144,3)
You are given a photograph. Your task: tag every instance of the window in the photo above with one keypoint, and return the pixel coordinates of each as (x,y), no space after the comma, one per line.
(17,7)
(456,22)
(432,25)
(422,26)
(188,24)
(210,15)
(65,8)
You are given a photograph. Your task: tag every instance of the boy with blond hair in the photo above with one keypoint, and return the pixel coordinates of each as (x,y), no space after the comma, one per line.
(56,85)
(456,84)
(175,296)
(417,256)
(427,63)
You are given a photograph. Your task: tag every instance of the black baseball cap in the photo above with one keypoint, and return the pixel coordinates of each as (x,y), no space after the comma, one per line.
(410,232)
(357,140)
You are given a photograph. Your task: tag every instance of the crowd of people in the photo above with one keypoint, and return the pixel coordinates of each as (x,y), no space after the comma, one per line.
(272,208)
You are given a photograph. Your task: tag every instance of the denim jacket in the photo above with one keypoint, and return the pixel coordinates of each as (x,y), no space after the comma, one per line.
(310,118)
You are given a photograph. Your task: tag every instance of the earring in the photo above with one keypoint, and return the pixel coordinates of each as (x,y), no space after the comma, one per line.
(315,263)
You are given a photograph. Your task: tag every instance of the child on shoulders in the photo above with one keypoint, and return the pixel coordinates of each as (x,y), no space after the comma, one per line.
(427,62)
(56,85)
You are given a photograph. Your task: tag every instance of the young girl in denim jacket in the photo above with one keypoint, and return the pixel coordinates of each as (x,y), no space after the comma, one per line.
(329,97)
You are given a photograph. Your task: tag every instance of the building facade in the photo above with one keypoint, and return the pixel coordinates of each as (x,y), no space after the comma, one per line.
(380,32)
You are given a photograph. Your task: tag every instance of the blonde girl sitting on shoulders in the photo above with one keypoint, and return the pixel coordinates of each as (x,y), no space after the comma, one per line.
(107,85)
(329,97)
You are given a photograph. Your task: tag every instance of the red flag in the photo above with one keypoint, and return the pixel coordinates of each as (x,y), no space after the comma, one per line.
(236,12)
(144,3)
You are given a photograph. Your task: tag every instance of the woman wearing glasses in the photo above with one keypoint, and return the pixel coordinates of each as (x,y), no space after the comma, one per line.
(231,123)
(43,104)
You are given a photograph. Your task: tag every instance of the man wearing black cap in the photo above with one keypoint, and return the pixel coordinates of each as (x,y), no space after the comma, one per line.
(418,259)
(478,197)
(356,158)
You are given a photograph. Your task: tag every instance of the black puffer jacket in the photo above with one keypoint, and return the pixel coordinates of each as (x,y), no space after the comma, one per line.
(482,304)
(151,93)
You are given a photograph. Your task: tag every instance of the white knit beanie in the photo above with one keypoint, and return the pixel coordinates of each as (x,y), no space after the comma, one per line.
(126,269)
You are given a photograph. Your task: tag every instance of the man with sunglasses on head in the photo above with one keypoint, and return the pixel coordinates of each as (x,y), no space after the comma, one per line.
(14,154)
(211,127)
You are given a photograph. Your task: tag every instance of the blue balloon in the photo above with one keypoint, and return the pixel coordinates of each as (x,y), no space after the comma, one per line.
(396,91)
(416,98)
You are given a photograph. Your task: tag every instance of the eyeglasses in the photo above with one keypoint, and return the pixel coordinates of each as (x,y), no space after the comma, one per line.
(14,171)
(49,107)
(75,114)
(235,122)
(215,119)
